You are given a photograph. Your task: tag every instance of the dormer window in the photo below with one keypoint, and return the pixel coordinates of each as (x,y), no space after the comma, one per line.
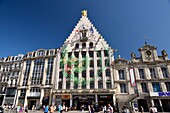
(41,53)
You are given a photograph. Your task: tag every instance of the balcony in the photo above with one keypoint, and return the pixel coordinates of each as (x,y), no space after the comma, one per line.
(34,94)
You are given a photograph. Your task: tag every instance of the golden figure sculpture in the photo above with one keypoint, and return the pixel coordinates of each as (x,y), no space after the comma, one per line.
(84,13)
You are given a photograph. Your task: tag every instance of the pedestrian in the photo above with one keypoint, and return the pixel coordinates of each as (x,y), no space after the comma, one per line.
(46,109)
(51,109)
(60,108)
(105,109)
(155,109)
(109,109)
(26,109)
(142,110)
(91,109)
(151,110)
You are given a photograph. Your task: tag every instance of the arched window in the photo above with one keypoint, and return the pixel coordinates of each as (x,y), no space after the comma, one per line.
(77,46)
(84,45)
(41,53)
(91,45)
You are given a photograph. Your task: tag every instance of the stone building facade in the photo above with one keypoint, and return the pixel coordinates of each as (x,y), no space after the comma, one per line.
(10,71)
(144,80)
(37,78)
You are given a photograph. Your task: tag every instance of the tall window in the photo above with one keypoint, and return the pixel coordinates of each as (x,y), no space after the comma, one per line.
(164,72)
(91,53)
(60,85)
(91,84)
(123,88)
(49,71)
(141,74)
(144,87)
(98,53)
(100,84)
(91,73)
(77,46)
(91,45)
(108,72)
(121,74)
(68,84)
(84,45)
(99,63)
(167,86)
(91,63)
(152,73)
(156,86)
(23,92)
(107,62)
(27,71)
(106,53)
(37,74)
(108,84)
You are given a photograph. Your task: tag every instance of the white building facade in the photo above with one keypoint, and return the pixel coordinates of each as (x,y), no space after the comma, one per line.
(37,78)
(83,71)
(10,71)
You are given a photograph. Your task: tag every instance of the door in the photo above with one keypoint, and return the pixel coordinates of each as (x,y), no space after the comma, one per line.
(31,103)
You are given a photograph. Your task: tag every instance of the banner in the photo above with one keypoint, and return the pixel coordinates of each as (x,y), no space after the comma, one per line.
(132,77)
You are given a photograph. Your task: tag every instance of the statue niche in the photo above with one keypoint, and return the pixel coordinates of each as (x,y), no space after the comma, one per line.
(83,37)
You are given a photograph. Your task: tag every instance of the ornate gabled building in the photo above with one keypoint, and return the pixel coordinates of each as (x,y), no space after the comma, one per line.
(10,71)
(37,78)
(143,81)
(84,72)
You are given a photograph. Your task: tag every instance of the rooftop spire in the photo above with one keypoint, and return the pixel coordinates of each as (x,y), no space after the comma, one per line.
(84,13)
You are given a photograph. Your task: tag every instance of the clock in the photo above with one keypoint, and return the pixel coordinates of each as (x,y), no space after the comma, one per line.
(148,55)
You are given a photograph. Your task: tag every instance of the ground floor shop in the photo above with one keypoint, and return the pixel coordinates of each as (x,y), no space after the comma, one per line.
(161,100)
(75,101)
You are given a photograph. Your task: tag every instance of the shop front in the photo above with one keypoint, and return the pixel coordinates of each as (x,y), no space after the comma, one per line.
(105,99)
(161,100)
(79,100)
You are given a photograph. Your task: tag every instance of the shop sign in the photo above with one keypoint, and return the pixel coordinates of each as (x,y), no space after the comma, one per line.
(161,94)
(105,96)
(101,91)
(85,91)
(65,96)
(164,93)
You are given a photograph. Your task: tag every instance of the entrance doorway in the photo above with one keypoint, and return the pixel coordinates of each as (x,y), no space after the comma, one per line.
(31,103)
(143,103)
(1,99)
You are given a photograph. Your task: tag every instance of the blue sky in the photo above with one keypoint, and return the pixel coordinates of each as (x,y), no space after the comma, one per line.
(28,25)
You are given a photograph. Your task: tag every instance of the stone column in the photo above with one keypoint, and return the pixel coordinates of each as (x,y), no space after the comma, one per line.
(103,69)
(96,99)
(163,86)
(45,71)
(80,73)
(150,88)
(95,71)
(88,69)
(17,97)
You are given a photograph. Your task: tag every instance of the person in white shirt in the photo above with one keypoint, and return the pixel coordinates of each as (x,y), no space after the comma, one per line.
(109,109)
(155,109)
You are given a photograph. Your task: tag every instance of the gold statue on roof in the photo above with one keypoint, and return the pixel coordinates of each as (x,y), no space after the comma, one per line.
(84,13)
